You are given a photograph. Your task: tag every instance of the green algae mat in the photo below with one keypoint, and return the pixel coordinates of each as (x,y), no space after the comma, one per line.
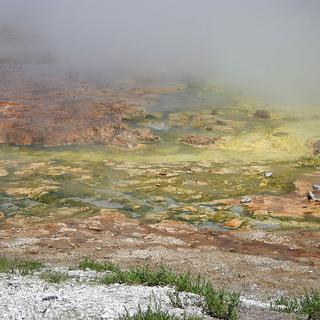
(211,147)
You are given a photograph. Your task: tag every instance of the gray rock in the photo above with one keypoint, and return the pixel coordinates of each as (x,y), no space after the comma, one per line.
(262,114)
(316,187)
(245,200)
(313,197)
(238,210)
(48,298)
(268,174)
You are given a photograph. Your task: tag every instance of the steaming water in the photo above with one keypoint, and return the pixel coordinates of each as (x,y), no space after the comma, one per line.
(191,99)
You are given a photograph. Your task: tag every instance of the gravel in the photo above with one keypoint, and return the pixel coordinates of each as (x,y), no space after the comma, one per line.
(79,298)
(29,297)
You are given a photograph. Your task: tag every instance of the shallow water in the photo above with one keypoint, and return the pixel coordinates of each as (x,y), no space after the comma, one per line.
(168,179)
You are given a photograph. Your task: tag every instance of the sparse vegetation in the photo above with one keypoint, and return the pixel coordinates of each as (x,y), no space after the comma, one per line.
(149,314)
(54,276)
(176,300)
(98,266)
(156,314)
(306,305)
(22,266)
(217,303)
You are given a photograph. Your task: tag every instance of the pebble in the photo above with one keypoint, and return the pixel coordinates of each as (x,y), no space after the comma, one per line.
(245,200)
(267,174)
(95,225)
(316,187)
(48,298)
(312,197)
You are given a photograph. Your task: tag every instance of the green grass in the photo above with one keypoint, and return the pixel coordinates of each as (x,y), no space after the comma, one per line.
(22,266)
(98,266)
(157,314)
(217,303)
(306,305)
(54,276)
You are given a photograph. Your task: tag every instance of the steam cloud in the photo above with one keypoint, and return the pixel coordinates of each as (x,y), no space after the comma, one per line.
(268,47)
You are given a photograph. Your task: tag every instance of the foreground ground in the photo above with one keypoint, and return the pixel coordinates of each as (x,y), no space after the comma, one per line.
(28,297)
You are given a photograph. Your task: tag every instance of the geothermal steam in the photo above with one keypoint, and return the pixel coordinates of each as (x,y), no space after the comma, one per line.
(269,48)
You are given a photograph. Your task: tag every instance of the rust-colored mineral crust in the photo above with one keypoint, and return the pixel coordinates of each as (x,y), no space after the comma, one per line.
(63,111)
(95,123)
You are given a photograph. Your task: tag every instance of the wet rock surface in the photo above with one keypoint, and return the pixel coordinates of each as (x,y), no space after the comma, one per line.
(198,140)
(66,110)
(262,114)
(316,147)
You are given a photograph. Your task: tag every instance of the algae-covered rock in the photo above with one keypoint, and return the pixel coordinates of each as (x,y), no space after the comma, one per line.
(262,114)
(316,147)
(234,223)
(198,140)
(179,118)
(3,172)
(31,192)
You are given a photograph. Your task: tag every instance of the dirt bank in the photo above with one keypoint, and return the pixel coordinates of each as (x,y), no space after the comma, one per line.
(251,260)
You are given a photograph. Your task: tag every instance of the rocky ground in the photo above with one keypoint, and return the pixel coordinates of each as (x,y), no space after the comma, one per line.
(260,264)
(29,297)
(42,105)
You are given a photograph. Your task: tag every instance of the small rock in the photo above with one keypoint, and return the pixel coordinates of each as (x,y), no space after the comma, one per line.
(316,147)
(245,200)
(15,284)
(261,114)
(313,197)
(48,298)
(221,123)
(3,172)
(198,140)
(94,225)
(238,210)
(234,223)
(316,187)
(280,134)
(267,174)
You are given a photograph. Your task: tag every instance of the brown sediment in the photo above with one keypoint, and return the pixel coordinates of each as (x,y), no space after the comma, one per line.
(262,114)
(242,256)
(115,225)
(294,205)
(198,140)
(90,123)
(67,111)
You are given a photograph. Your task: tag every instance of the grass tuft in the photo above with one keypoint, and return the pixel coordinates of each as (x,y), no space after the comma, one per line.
(156,314)
(217,303)
(22,266)
(98,266)
(149,314)
(306,305)
(54,276)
